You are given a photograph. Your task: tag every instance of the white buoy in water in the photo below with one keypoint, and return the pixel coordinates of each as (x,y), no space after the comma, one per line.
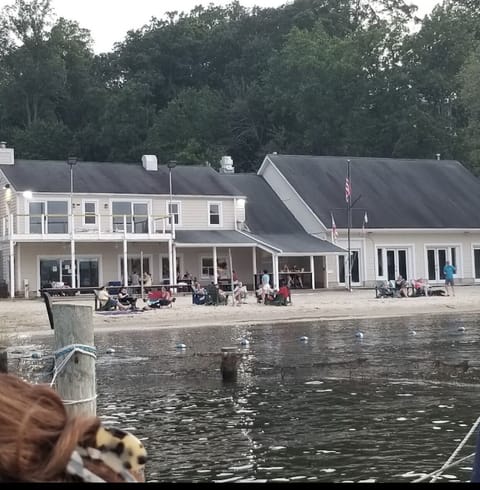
(110,351)
(461,329)
(181,346)
(412,332)
(36,355)
(245,341)
(359,335)
(304,338)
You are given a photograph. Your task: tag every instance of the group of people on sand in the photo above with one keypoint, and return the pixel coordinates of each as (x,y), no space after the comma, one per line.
(419,287)
(126,301)
(270,296)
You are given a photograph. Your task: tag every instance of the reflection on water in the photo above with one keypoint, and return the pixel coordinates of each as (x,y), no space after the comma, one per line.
(387,407)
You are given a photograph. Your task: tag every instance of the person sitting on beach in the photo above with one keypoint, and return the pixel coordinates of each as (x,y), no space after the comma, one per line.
(107,303)
(401,286)
(240,293)
(41,442)
(420,286)
(126,299)
(199,294)
(157,299)
(283,296)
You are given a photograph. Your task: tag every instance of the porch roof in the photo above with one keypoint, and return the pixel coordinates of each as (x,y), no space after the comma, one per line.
(218,238)
(299,243)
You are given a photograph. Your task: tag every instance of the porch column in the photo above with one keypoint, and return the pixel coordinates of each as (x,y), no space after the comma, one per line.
(275,271)
(72,263)
(254,265)
(312,270)
(170,261)
(12,270)
(215,273)
(125,264)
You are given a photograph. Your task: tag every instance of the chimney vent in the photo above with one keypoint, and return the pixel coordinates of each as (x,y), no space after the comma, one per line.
(7,156)
(150,163)
(226,165)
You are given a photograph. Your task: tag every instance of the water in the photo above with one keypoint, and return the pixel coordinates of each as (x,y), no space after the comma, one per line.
(387,407)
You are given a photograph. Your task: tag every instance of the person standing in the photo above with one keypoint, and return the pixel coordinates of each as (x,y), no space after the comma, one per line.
(265,284)
(135,279)
(448,271)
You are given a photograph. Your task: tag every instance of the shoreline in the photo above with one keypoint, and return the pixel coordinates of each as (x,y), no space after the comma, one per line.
(29,317)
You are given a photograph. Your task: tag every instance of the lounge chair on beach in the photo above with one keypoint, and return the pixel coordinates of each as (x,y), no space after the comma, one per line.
(385,289)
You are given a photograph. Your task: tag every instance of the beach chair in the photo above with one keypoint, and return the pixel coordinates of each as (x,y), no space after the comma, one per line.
(384,289)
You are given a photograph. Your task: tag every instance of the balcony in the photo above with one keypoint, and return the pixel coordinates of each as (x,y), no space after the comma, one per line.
(104,227)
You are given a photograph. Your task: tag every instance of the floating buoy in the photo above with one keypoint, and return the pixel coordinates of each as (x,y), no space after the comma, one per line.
(245,342)
(181,346)
(304,338)
(461,329)
(412,332)
(36,355)
(359,335)
(110,351)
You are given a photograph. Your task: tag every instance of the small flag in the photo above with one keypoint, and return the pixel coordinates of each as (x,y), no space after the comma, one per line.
(365,220)
(334,230)
(348,189)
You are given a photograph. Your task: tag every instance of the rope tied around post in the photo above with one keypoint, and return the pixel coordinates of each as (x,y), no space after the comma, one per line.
(63,355)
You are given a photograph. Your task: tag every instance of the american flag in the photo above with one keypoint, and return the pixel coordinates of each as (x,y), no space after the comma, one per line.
(334,230)
(348,189)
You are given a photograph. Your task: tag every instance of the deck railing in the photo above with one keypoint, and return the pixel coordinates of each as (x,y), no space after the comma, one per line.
(16,226)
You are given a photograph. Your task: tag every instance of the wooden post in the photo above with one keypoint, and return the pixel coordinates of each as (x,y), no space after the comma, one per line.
(229,363)
(3,360)
(75,382)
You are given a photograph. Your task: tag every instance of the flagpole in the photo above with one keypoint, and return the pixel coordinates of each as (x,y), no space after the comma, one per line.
(349,225)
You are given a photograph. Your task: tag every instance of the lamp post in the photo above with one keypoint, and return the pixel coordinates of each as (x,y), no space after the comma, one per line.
(72,161)
(173,266)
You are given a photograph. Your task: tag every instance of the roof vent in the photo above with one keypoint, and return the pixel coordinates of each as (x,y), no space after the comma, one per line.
(226,165)
(150,163)
(7,156)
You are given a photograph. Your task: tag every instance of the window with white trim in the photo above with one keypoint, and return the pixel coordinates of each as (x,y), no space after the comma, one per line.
(90,213)
(215,214)
(174,208)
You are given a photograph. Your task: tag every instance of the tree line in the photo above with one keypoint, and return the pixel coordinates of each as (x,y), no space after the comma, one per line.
(314,77)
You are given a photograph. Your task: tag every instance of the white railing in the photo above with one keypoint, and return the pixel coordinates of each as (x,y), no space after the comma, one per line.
(15,226)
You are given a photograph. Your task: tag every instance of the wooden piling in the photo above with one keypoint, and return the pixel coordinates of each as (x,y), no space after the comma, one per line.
(228,367)
(3,360)
(75,382)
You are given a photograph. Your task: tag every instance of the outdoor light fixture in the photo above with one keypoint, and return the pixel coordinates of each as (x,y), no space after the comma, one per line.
(6,186)
(27,194)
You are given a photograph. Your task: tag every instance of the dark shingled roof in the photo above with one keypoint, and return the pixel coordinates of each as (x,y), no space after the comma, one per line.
(115,178)
(212,237)
(396,193)
(269,220)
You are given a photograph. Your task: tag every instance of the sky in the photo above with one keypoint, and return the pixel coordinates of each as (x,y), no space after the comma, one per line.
(109,20)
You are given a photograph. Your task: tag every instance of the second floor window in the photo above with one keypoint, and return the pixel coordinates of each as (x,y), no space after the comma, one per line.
(89,213)
(174,209)
(135,215)
(53,213)
(215,214)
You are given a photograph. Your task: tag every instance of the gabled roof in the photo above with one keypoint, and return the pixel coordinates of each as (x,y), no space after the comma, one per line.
(270,222)
(115,178)
(396,193)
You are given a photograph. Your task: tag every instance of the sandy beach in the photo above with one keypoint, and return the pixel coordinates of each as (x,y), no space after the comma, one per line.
(20,316)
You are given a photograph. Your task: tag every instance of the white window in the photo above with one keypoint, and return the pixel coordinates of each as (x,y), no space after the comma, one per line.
(90,213)
(174,208)
(207,271)
(215,214)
